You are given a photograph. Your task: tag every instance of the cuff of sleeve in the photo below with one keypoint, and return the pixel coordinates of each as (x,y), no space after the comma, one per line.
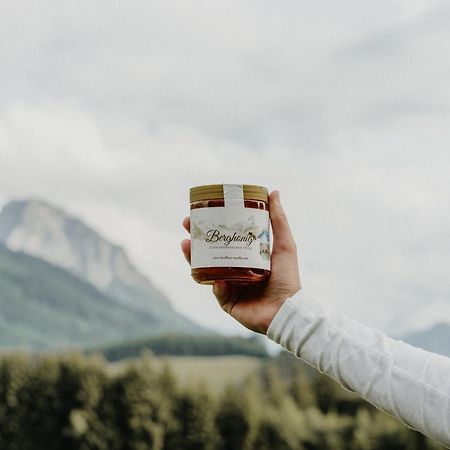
(292,323)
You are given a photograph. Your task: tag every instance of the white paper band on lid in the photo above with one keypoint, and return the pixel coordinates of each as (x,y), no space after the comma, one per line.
(233,195)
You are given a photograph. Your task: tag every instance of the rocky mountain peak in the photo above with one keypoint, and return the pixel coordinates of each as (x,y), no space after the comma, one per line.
(37,228)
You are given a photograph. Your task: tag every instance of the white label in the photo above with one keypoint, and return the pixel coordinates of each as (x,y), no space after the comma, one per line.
(230,237)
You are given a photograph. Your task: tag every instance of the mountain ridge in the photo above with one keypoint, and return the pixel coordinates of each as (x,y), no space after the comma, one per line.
(36,229)
(48,232)
(43,306)
(435,338)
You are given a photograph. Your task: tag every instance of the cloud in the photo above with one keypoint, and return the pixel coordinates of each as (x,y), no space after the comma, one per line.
(113,111)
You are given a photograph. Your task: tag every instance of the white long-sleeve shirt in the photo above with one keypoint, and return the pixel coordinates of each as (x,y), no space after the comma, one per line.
(409,383)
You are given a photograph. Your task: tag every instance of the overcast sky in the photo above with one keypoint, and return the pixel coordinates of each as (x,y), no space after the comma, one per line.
(113,110)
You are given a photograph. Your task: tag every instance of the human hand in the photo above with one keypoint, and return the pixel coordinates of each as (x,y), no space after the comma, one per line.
(255,306)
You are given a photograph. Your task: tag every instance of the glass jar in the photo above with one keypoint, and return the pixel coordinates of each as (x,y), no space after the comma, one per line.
(230,234)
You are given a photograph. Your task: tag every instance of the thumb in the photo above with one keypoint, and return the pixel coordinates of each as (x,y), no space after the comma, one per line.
(283,241)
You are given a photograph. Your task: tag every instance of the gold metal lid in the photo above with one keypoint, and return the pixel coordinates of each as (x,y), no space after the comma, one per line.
(215,191)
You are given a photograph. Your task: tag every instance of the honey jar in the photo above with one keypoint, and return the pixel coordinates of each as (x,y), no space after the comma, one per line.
(230,233)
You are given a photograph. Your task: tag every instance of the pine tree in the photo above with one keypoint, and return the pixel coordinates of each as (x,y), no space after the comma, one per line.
(275,387)
(331,396)
(14,375)
(301,389)
(236,419)
(280,429)
(328,431)
(193,427)
(139,411)
(377,430)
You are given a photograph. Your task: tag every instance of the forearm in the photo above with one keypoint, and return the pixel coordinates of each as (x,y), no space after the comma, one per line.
(404,381)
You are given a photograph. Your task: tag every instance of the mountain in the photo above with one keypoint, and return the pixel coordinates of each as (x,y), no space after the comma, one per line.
(434,339)
(43,306)
(51,259)
(49,233)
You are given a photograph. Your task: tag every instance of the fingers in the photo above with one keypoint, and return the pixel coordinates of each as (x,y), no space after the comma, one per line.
(186,249)
(283,241)
(186,243)
(222,291)
(187,224)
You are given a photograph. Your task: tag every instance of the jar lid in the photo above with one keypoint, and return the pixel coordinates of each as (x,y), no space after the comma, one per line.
(215,191)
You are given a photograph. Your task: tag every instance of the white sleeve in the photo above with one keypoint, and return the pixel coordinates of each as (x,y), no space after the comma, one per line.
(409,383)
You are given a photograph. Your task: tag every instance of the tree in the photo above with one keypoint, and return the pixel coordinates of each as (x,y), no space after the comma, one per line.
(331,396)
(327,431)
(193,427)
(14,375)
(275,387)
(301,389)
(280,429)
(136,409)
(377,430)
(236,419)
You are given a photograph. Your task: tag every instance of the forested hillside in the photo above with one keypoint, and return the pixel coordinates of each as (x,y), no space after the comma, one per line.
(184,345)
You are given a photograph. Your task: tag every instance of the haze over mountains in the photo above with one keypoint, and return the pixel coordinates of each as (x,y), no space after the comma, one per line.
(56,268)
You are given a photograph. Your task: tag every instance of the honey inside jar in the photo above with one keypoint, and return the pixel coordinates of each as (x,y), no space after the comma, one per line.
(230,234)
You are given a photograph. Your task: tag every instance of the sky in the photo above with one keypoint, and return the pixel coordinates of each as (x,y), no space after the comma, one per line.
(114,109)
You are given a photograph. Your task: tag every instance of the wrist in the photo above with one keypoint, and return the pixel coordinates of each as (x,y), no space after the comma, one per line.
(272,312)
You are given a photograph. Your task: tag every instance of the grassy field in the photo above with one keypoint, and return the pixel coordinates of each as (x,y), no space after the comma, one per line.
(215,371)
